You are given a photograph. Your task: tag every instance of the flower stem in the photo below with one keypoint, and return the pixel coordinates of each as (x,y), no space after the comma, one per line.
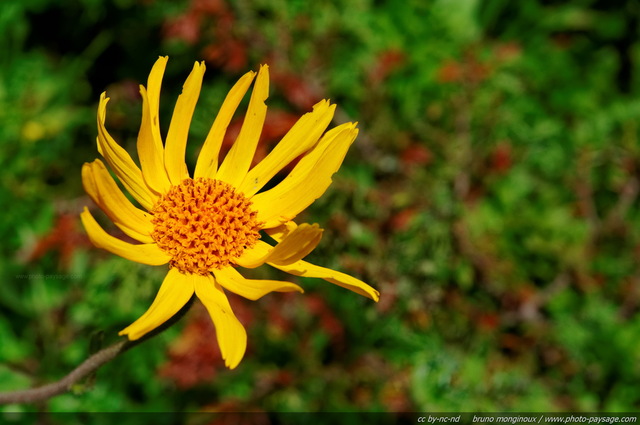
(85,368)
(47,391)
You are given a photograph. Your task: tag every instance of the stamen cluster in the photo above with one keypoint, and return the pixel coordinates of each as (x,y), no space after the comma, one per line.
(204,224)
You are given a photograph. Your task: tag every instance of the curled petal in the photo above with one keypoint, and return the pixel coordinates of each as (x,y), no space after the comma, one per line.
(231,335)
(297,245)
(176,290)
(251,289)
(150,149)
(303,268)
(120,161)
(280,232)
(148,253)
(104,191)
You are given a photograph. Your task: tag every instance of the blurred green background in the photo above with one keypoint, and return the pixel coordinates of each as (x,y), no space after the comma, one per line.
(492,198)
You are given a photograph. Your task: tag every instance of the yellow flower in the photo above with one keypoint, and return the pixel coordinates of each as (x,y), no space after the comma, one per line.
(206,225)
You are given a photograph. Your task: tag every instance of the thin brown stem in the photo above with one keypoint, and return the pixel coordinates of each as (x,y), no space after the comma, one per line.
(90,365)
(47,391)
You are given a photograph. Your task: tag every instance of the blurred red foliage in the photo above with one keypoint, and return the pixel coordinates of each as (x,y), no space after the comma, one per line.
(416,154)
(395,392)
(450,72)
(183,27)
(488,321)
(501,158)
(401,220)
(64,237)
(194,357)
(298,91)
(386,62)
(328,321)
(471,69)
(388,302)
(210,22)
(508,51)
(276,318)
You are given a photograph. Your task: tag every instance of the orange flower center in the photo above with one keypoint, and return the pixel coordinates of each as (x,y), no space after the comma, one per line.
(204,224)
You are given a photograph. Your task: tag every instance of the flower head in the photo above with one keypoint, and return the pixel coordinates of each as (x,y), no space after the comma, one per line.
(206,225)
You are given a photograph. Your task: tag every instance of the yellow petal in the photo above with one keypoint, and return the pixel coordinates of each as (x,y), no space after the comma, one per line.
(179,128)
(144,253)
(302,137)
(176,290)
(104,191)
(231,335)
(254,256)
(303,268)
(237,162)
(120,161)
(154,83)
(150,149)
(295,246)
(207,164)
(251,289)
(309,179)
(280,232)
